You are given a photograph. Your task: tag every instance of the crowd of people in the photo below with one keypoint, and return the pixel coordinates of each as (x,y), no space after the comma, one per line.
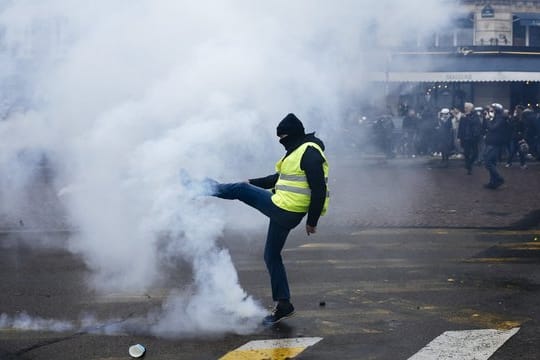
(427,133)
(478,135)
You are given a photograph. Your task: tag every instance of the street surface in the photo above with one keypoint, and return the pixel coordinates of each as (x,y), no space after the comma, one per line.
(410,254)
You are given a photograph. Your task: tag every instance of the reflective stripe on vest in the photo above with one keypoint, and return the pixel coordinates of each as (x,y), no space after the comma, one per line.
(297,190)
(297,178)
(292,190)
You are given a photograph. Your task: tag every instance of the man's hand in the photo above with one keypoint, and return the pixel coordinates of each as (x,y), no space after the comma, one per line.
(311,229)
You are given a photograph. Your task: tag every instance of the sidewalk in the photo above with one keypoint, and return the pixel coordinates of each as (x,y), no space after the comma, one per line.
(419,192)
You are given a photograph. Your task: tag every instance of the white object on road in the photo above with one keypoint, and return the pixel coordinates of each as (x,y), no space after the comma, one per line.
(136,351)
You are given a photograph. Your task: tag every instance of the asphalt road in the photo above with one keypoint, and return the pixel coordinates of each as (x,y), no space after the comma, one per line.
(392,271)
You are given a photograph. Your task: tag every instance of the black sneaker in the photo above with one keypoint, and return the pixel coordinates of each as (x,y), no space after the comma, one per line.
(494,185)
(499,183)
(280,312)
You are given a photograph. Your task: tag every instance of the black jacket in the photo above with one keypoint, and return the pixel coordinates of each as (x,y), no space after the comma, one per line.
(312,164)
(497,130)
(470,127)
(531,125)
(517,129)
(410,123)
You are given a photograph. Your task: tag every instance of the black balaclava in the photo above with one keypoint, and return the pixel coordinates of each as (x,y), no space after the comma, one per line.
(293,128)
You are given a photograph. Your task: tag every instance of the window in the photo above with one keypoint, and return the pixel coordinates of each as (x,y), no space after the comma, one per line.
(526,30)
(520,33)
(464,26)
(534,35)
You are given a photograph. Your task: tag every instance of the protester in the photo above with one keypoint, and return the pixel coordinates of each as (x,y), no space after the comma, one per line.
(456,119)
(426,132)
(445,136)
(517,143)
(298,188)
(469,133)
(383,131)
(507,133)
(495,140)
(409,134)
(531,131)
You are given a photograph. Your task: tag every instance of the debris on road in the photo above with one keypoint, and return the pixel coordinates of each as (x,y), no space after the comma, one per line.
(136,351)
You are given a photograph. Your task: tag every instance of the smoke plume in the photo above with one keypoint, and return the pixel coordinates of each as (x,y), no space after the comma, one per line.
(119,96)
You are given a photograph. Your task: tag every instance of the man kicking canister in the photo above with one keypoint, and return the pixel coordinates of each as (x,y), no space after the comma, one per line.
(298,187)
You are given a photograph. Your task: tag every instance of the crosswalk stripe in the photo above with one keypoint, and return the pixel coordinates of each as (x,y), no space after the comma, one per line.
(465,345)
(279,349)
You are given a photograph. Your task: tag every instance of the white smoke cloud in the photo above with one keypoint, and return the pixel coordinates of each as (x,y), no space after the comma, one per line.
(127,93)
(23,321)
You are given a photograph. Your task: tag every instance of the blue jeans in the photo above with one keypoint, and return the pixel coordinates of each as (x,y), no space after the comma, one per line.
(491,154)
(281,223)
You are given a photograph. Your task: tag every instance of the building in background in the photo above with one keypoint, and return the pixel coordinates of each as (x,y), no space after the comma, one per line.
(488,52)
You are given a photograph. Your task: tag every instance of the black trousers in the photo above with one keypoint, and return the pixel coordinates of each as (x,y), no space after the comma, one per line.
(470,152)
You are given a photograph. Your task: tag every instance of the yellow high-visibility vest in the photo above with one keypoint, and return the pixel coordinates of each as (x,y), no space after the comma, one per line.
(292,192)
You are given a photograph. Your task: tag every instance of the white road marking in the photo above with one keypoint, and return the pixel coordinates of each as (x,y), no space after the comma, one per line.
(465,345)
